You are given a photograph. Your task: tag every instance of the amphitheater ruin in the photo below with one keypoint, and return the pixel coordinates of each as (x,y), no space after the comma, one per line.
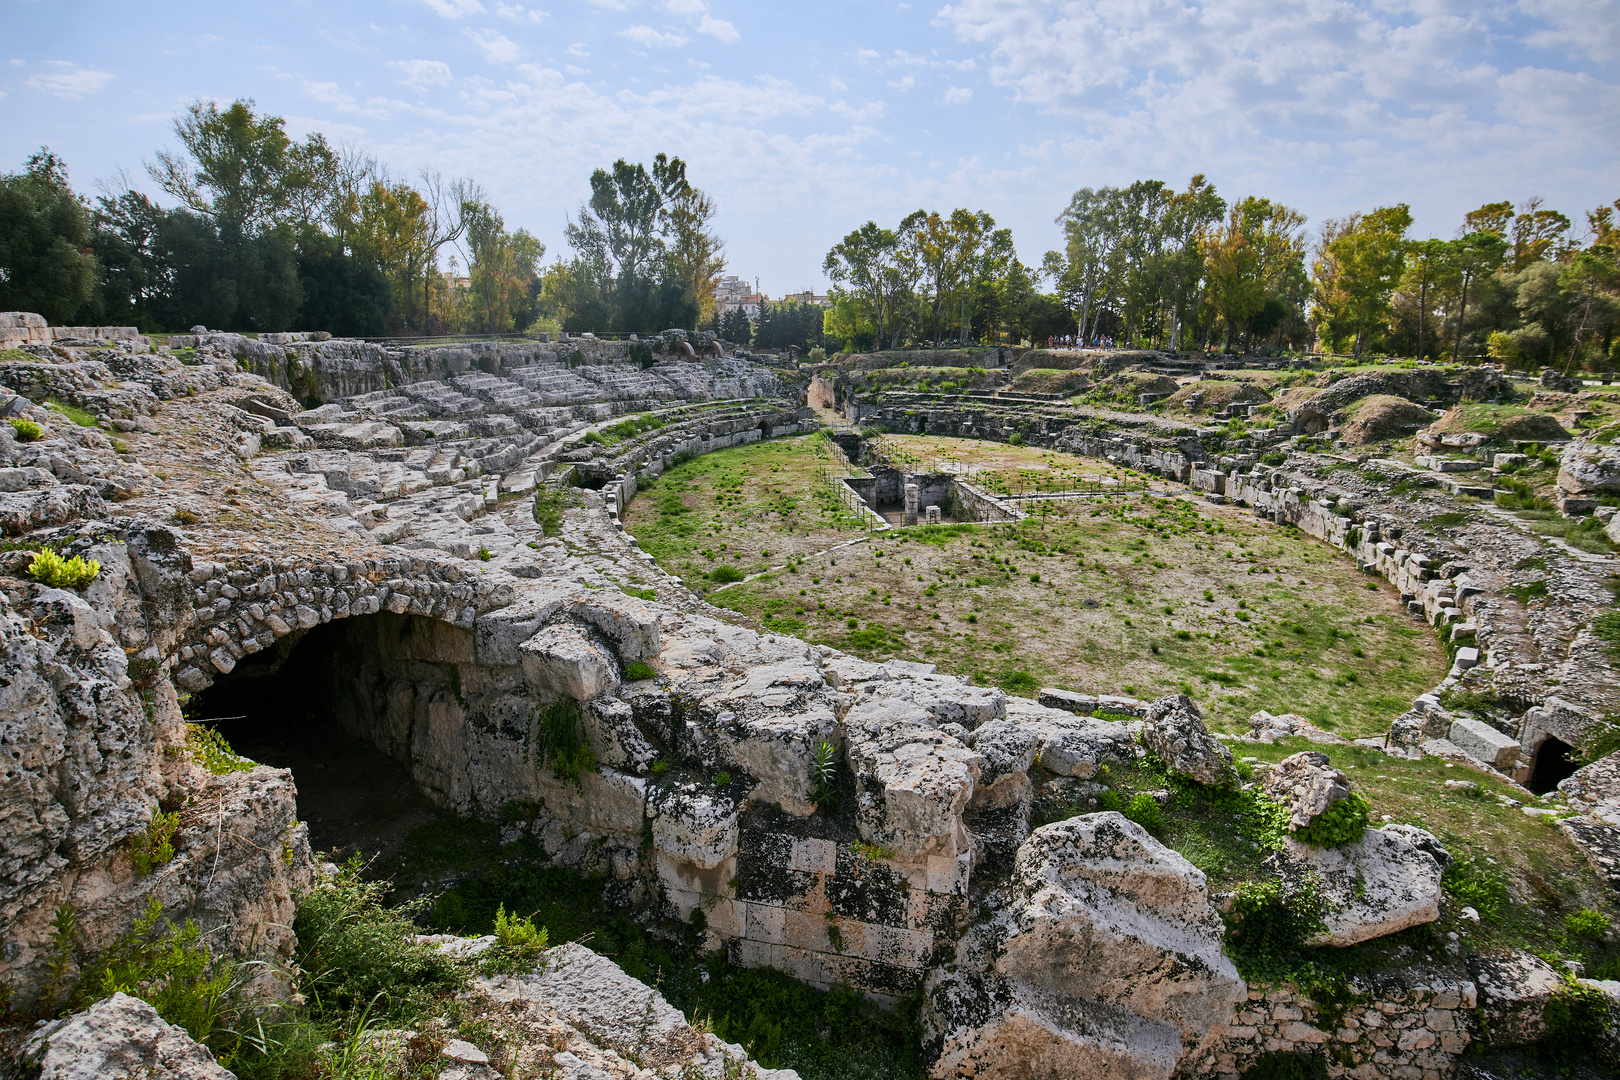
(434,550)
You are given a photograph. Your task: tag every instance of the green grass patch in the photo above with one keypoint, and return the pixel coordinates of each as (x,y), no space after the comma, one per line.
(73,413)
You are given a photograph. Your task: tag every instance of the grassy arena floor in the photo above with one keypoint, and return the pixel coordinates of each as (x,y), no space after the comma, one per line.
(1142,593)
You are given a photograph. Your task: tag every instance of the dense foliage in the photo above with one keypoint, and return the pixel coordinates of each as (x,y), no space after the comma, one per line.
(266,234)
(1148,266)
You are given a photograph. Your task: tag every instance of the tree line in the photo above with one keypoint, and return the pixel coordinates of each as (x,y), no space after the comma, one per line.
(1150,266)
(265,233)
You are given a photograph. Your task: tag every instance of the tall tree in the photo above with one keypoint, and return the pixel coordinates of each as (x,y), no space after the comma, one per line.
(46,265)
(1471,257)
(695,253)
(1428,262)
(866,260)
(1361,264)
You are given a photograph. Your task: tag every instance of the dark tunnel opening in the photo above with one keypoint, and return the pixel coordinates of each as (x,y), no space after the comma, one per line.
(305,705)
(1553,762)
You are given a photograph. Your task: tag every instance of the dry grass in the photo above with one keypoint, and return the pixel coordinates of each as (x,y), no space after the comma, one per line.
(1140,594)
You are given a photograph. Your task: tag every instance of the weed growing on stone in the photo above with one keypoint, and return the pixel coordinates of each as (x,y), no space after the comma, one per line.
(151,849)
(518,944)
(1338,825)
(25,429)
(208,748)
(49,568)
(167,966)
(636,671)
(559,740)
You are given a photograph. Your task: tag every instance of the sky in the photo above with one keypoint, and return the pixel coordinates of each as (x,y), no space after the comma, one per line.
(804,120)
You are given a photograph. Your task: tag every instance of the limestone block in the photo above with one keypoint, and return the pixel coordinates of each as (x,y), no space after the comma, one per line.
(1513,994)
(563,659)
(693,823)
(610,727)
(1175,732)
(119,1036)
(1008,751)
(1111,965)
(1306,785)
(1071,745)
(913,781)
(1379,885)
(1478,739)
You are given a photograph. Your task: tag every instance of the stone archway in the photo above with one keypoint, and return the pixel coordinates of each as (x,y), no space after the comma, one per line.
(368,712)
(1552,761)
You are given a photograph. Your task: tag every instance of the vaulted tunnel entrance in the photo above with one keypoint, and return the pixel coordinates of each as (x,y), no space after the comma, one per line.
(365,711)
(1553,762)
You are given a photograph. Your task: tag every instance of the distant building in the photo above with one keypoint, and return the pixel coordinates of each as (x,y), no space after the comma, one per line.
(455,282)
(732,293)
(809,296)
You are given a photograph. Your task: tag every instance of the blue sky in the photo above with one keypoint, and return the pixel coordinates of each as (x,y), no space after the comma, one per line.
(806,119)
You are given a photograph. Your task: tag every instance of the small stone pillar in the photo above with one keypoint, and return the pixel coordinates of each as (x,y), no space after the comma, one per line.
(933,515)
(911,504)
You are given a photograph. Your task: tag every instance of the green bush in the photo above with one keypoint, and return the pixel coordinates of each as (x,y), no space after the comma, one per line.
(1267,929)
(1015,439)
(1275,458)
(26,429)
(208,748)
(824,777)
(1586,923)
(154,847)
(1144,810)
(356,953)
(169,968)
(518,944)
(726,574)
(560,741)
(636,671)
(1470,881)
(49,568)
(1340,824)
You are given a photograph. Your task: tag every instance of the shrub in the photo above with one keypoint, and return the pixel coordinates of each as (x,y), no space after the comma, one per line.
(1015,439)
(1470,881)
(26,429)
(484,554)
(518,944)
(1586,923)
(1144,810)
(208,748)
(560,741)
(636,671)
(1268,926)
(155,846)
(725,575)
(824,777)
(51,569)
(1338,825)
(169,969)
(722,779)
(354,952)
(1275,458)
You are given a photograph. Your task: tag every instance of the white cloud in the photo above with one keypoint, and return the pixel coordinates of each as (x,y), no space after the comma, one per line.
(956,95)
(578,49)
(902,85)
(421,74)
(496,47)
(686,7)
(719,29)
(648,38)
(455,9)
(65,80)
(517,13)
